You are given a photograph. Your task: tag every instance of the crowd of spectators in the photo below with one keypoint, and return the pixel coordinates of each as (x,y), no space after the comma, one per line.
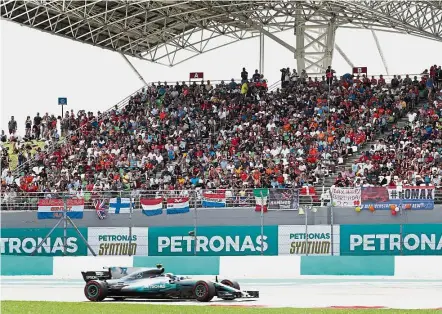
(408,155)
(234,135)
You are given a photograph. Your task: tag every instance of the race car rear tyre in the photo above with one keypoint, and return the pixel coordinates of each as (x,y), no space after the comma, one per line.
(204,291)
(95,291)
(231,283)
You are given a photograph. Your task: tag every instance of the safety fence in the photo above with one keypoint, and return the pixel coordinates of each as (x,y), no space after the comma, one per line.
(228,198)
(277,199)
(271,240)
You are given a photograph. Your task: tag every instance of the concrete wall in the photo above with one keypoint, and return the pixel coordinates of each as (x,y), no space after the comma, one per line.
(232,217)
(206,217)
(343,216)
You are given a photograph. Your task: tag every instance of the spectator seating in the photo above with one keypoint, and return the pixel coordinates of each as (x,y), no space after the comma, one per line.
(232,135)
(410,155)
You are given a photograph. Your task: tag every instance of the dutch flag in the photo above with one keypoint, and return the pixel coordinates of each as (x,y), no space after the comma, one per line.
(152,206)
(214,200)
(177,205)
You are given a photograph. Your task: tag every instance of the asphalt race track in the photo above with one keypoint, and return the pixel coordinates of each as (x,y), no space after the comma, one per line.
(300,293)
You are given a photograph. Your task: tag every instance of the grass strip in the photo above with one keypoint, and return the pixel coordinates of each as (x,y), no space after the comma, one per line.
(34,307)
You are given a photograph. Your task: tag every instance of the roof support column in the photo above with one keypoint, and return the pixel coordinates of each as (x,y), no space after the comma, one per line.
(261,53)
(342,53)
(330,44)
(378,45)
(315,44)
(134,69)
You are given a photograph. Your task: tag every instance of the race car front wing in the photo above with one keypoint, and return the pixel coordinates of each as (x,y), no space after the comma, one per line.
(239,294)
(250,294)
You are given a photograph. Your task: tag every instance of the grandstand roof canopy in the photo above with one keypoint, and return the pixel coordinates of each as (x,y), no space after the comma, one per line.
(171,32)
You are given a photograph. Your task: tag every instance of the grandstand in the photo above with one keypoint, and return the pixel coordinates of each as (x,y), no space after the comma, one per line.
(311,130)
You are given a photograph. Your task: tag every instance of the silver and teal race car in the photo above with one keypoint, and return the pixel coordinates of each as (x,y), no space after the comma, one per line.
(121,283)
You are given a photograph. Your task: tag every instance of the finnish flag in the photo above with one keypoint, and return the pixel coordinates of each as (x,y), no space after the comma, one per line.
(120,205)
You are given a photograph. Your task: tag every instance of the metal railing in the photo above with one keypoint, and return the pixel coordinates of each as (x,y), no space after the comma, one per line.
(310,230)
(234,198)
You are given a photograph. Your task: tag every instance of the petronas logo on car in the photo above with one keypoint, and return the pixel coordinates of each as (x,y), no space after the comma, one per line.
(157,286)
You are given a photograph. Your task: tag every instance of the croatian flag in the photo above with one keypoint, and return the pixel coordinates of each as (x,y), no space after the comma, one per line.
(54,208)
(152,206)
(120,205)
(177,205)
(214,200)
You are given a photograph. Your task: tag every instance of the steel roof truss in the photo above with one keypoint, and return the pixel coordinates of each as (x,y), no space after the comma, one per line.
(146,29)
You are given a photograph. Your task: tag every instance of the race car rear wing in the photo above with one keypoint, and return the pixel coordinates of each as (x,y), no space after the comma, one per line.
(96,275)
(113,273)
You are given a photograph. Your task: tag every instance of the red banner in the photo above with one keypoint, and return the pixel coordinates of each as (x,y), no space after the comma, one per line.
(59,202)
(196,75)
(360,70)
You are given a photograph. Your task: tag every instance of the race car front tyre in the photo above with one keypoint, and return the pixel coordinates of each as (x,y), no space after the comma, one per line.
(204,291)
(231,283)
(95,291)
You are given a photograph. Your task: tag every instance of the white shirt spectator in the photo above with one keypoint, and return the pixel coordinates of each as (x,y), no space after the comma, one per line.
(5,173)
(271,125)
(285,152)
(411,116)
(9,179)
(275,151)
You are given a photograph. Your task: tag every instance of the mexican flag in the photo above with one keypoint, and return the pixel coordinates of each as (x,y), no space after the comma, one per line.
(261,196)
